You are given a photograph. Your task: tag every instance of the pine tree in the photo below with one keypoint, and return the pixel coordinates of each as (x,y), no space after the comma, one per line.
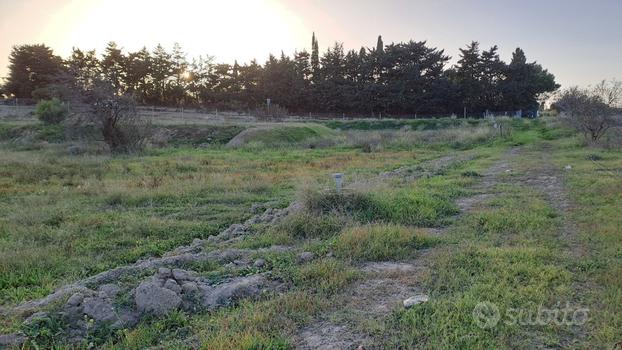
(524,83)
(492,74)
(31,67)
(84,67)
(468,76)
(162,71)
(113,66)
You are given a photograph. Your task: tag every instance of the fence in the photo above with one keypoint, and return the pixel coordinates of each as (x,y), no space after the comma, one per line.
(350,116)
(23,107)
(16,108)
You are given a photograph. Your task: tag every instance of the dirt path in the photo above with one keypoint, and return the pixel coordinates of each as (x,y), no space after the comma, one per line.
(547,178)
(386,285)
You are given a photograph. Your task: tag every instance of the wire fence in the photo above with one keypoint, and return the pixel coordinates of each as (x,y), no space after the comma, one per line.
(20,106)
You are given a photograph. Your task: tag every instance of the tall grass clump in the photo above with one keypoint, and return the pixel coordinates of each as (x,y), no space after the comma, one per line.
(402,206)
(307,225)
(326,276)
(380,242)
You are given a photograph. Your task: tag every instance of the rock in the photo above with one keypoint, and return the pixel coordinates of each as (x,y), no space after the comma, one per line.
(568,167)
(172,285)
(109,291)
(229,292)
(190,287)
(305,257)
(234,230)
(415,300)
(152,298)
(75,300)
(181,275)
(256,208)
(330,254)
(164,272)
(241,262)
(259,263)
(11,340)
(126,319)
(99,309)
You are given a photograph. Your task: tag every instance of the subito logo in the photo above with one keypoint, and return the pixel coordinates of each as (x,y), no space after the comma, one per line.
(486,315)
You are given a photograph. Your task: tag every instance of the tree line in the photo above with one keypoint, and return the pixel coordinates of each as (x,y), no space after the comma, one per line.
(406,78)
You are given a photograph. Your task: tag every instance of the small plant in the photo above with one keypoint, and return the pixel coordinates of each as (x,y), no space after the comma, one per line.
(51,111)
(44,332)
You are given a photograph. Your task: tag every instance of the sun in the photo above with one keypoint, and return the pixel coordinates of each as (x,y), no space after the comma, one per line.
(237,30)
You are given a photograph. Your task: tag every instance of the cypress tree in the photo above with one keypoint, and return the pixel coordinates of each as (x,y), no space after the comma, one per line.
(315,56)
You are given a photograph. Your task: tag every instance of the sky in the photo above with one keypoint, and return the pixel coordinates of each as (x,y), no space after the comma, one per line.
(580,41)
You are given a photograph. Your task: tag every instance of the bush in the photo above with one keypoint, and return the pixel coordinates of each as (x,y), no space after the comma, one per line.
(51,111)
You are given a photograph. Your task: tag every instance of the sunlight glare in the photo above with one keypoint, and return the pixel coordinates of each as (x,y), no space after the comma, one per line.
(233,29)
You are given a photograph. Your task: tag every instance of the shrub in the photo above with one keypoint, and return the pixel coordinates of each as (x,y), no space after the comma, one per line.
(51,111)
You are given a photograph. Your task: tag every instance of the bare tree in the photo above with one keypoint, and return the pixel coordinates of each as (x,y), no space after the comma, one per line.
(592,111)
(114,116)
(610,92)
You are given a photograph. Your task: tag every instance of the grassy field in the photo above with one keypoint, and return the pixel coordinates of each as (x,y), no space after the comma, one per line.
(522,245)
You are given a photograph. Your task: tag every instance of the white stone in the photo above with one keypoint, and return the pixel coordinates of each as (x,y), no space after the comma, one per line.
(415,300)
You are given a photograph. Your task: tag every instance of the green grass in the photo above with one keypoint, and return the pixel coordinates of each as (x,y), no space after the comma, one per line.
(595,188)
(380,243)
(304,225)
(506,255)
(63,218)
(427,202)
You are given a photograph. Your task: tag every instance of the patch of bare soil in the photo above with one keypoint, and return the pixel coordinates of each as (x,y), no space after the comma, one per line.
(383,288)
